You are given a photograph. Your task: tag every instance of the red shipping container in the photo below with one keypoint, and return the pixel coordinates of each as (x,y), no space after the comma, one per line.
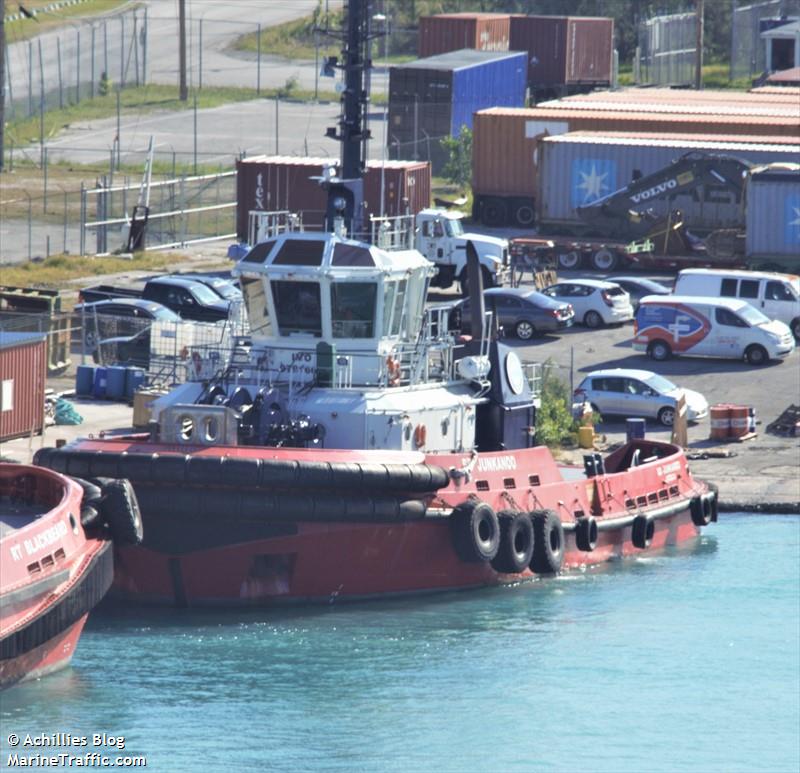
(23,378)
(454,31)
(564,50)
(269,183)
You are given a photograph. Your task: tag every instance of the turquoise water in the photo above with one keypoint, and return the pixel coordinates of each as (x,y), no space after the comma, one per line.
(685,661)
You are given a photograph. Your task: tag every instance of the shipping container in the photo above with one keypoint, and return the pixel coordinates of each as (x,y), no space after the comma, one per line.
(432,98)
(564,51)
(505,147)
(703,97)
(579,168)
(23,377)
(270,183)
(773,217)
(453,31)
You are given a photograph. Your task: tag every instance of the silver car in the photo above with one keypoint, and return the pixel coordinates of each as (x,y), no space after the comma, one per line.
(642,393)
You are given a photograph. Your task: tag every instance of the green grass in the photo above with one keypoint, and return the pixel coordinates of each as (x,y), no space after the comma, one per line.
(716,75)
(24,29)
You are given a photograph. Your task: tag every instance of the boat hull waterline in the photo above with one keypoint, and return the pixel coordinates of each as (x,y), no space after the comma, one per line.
(242,537)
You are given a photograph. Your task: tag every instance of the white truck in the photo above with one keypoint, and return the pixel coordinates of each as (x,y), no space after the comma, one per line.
(439,235)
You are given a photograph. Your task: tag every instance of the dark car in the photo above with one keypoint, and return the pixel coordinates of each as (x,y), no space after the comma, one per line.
(118,317)
(637,287)
(519,311)
(124,350)
(224,288)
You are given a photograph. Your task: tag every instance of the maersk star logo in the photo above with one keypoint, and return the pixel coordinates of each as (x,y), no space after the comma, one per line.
(792,233)
(592,178)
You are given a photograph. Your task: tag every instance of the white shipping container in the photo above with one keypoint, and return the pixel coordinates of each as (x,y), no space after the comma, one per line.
(578,168)
(773,212)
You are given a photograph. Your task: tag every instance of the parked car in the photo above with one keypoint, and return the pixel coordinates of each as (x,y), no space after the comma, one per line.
(519,311)
(119,317)
(626,392)
(637,287)
(224,288)
(595,301)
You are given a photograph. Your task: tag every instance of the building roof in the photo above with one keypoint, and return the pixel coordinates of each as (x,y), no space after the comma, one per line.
(789,30)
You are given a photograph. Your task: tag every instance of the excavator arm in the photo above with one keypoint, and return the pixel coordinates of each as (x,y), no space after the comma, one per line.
(624,214)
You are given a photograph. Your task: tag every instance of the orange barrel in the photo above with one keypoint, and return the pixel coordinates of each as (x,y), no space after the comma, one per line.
(720,421)
(740,420)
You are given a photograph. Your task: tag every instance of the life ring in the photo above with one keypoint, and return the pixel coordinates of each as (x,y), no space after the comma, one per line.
(420,435)
(392,371)
(476,532)
(516,542)
(548,542)
(644,527)
(586,533)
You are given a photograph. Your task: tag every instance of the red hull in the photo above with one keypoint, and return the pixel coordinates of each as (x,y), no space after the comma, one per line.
(207,543)
(44,659)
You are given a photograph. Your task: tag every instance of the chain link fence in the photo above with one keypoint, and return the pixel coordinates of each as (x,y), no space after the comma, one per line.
(748,52)
(666,52)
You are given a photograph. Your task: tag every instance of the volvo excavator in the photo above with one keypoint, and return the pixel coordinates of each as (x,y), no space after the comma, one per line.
(624,215)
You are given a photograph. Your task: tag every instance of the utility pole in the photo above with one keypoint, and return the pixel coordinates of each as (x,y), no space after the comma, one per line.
(698,72)
(2,81)
(183,91)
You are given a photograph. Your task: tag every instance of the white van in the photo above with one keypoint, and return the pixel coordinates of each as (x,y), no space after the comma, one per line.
(708,327)
(775,295)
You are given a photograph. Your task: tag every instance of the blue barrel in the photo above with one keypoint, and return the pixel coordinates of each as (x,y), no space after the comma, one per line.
(115,384)
(634,429)
(134,378)
(84,380)
(100,381)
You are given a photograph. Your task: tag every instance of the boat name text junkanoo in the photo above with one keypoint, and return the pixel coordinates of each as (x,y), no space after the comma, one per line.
(39,541)
(497,463)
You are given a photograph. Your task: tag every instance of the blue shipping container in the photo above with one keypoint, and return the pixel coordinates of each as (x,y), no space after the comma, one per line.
(434,97)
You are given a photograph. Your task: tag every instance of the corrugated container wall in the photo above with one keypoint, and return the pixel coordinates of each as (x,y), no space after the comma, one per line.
(268,183)
(773,213)
(517,132)
(23,377)
(453,31)
(575,170)
(432,98)
(564,50)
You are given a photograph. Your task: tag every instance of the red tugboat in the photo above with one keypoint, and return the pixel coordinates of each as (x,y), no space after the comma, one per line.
(53,570)
(356,448)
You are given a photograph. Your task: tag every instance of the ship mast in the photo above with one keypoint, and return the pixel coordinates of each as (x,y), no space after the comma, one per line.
(346,193)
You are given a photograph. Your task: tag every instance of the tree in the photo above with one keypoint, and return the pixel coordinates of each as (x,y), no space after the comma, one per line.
(458,169)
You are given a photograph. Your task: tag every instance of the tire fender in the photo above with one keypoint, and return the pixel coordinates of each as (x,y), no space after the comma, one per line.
(642,531)
(516,542)
(548,542)
(586,534)
(475,532)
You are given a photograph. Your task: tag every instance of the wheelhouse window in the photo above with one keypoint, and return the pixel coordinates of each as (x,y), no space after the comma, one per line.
(353,309)
(255,302)
(393,301)
(297,307)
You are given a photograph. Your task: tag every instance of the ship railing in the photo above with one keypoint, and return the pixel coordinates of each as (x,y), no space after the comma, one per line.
(392,233)
(264,225)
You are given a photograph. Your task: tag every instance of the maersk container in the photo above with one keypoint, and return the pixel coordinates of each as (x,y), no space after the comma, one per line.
(564,51)
(270,183)
(579,168)
(773,217)
(504,183)
(432,98)
(453,31)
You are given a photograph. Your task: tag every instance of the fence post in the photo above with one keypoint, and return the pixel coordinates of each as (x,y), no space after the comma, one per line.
(105,47)
(277,132)
(41,106)
(82,246)
(200,57)
(119,128)
(30,225)
(195,133)
(122,51)
(30,78)
(44,168)
(78,67)
(258,62)
(65,222)
(144,47)
(91,80)
(136,46)
(60,79)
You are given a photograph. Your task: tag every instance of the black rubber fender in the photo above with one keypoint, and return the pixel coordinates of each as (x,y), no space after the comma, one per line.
(586,533)
(701,510)
(548,542)
(120,510)
(642,531)
(475,532)
(90,503)
(516,542)
(713,494)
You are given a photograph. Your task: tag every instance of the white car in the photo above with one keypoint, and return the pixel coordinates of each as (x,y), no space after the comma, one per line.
(596,302)
(642,393)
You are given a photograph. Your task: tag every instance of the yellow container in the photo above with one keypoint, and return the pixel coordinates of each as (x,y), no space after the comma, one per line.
(586,437)
(142,407)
